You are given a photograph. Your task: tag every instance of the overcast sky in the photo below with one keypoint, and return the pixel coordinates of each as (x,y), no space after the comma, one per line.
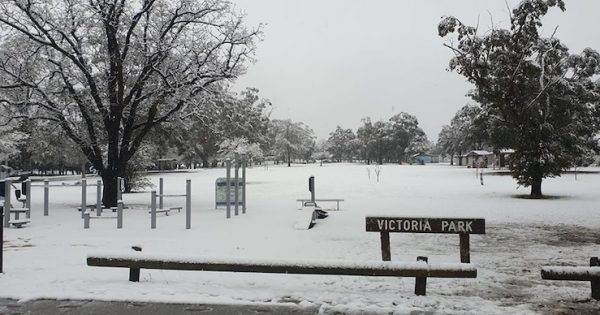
(328,63)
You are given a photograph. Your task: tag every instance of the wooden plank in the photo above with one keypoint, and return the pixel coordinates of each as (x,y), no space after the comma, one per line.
(147,263)
(425,225)
(570,273)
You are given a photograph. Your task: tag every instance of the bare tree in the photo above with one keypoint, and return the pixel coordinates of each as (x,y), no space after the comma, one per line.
(109,71)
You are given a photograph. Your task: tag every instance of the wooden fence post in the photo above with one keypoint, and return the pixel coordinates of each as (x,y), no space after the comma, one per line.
(386,254)
(465,248)
(421,282)
(595,280)
(134,273)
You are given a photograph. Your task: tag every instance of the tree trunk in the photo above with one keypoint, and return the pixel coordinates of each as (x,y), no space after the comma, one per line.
(109,191)
(536,188)
(452,159)
(205,163)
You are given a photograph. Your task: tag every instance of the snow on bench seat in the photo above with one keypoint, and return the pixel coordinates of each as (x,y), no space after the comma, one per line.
(19,223)
(332,267)
(591,274)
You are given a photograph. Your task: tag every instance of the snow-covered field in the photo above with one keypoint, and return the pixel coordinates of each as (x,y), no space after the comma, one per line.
(47,259)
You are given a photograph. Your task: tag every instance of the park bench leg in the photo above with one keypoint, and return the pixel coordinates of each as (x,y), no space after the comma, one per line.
(421,282)
(595,280)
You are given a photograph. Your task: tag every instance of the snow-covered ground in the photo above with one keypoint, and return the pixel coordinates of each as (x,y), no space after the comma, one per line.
(47,259)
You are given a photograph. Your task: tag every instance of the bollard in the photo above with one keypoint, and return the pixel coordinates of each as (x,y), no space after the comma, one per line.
(237,188)
(46,193)
(83,195)
(119,214)
(7,184)
(28,197)
(153,209)
(244,187)
(188,204)
(421,282)
(86,220)
(228,188)
(160,193)
(98,197)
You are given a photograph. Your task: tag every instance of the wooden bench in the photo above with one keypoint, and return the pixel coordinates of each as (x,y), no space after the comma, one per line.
(19,223)
(337,200)
(167,210)
(18,211)
(421,270)
(591,273)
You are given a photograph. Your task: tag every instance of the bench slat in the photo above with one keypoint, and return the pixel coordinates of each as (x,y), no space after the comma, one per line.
(570,273)
(381,269)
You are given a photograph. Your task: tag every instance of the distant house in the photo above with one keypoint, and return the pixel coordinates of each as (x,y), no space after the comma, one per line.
(422,158)
(166,164)
(501,159)
(479,158)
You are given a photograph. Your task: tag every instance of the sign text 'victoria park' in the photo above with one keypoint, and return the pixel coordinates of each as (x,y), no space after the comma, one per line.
(425,225)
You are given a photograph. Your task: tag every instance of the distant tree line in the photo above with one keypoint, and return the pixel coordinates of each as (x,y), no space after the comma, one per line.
(392,141)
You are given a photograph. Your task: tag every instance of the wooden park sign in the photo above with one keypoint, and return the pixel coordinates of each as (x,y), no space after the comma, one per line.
(461,226)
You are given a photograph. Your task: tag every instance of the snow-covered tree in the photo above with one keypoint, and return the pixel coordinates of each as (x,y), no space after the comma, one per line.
(108,72)
(290,140)
(531,88)
(10,140)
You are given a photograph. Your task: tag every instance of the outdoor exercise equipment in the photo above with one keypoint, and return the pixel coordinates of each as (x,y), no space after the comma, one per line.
(119,217)
(161,209)
(310,211)
(229,191)
(8,209)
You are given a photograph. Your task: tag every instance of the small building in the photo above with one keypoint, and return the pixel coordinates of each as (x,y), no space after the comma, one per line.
(166,164)
(479,158)
(503,157)
(423,158)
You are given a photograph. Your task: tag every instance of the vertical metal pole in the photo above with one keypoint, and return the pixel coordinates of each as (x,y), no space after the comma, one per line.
(244,187)
(83,196)
(236,198)
(46,195)
(188,204)
(311,188)
(228,188)
(7,184)
(98,197)
(160,193)
(86,220)
(119,214)
(28,197)
(119,185)
(153,209)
